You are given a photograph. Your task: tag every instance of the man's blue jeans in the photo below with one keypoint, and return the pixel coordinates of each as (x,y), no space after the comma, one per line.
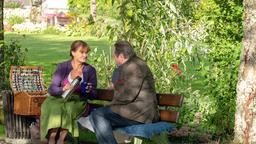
(104,120)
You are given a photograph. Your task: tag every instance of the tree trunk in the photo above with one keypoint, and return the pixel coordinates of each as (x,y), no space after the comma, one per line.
(1,44)
(93,9)
(245,117)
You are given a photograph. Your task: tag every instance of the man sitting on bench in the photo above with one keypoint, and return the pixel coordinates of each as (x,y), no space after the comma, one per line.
(134,100)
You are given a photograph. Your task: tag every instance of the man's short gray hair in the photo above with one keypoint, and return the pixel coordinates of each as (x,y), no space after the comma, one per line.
(123,47)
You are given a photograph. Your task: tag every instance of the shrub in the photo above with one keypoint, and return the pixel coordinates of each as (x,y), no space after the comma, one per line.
(86,28)
(13,3)
(15,19)
(203,41)
(51,30)
(76,28)
(13,55)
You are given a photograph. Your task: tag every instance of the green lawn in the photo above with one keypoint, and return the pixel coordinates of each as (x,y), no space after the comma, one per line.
(46,50)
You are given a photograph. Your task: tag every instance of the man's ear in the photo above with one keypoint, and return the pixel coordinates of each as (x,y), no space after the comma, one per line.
(122,56)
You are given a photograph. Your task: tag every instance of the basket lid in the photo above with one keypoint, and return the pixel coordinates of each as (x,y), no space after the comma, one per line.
(27,79)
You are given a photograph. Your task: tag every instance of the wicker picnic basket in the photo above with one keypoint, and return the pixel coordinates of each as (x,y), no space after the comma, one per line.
(28,89)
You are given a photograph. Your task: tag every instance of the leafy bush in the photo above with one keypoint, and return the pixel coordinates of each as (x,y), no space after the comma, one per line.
(204,42)
(81,8)
(104,65)
(51,30)
(13,3)
(13,55)
(76,29)
(221,65)
(84,25)
(15,19)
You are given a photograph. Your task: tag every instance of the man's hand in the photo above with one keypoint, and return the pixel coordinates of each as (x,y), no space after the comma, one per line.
(110,86)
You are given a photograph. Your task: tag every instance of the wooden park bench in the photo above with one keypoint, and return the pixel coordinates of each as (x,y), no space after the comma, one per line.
(167,116)
(22,106)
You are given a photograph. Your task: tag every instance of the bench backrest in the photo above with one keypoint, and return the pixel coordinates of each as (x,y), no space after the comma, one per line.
(29,79)
(164,101)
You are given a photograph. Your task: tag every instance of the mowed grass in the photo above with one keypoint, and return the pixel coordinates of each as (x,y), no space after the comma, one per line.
(47,50)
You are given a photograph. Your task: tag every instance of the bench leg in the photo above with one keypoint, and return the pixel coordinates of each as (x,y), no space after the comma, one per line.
(137,140)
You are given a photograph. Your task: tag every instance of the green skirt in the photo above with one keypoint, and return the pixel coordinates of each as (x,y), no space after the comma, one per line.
(59,113)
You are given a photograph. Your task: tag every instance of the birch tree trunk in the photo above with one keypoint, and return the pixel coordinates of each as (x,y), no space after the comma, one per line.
(93,9)
(1,44)
(245,117)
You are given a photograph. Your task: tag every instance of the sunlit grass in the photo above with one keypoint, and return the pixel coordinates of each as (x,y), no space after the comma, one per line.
(47,50)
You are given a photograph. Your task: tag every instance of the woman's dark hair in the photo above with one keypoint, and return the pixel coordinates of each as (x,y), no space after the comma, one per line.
(76,44)
(123,47)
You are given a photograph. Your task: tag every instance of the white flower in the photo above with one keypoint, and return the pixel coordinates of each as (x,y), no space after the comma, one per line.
(29,27)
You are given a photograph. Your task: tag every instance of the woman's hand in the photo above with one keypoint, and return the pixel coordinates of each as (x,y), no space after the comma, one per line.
(67,86)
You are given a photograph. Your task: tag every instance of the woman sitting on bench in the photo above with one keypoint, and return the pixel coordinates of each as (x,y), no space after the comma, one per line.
(58,114)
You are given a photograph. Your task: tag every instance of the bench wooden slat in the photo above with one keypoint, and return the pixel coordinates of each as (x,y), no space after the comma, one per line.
(163,99)
(105,94)
(169,116)
(170,100)
(174,100)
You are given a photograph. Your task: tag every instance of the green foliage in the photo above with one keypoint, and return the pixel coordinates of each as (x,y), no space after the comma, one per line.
(203,38)
(163,37)
(83,23)
(15,19)
(104,65)
(76,29)
(1,119)
(85,28)
(13,55)
(222,63)
(2,131)
(107,9)
(13,3)
(51,30)
(161,138)
(79,8)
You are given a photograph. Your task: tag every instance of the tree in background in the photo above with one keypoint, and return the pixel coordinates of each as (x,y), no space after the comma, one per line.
(86,9)
(245,118)
(93,9)
(11,53)
(1,43)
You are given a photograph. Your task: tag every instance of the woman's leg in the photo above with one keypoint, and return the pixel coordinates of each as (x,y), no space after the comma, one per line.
(52,135)
(63,134)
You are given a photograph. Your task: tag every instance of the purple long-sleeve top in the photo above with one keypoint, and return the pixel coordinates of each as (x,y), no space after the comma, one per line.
(61,73)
